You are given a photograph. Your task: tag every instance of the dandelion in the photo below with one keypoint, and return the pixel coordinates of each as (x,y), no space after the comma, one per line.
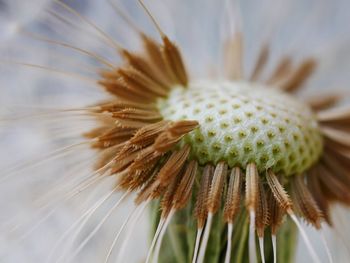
(228,163)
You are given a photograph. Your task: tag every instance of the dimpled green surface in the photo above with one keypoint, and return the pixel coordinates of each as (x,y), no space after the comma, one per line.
(244,122)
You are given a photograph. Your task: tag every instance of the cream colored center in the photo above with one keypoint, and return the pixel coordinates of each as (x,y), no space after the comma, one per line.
(244,122)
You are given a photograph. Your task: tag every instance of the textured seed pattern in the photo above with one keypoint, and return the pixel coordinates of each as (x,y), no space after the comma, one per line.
(243,122)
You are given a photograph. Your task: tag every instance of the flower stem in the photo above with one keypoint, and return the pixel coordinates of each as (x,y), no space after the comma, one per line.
(179,240)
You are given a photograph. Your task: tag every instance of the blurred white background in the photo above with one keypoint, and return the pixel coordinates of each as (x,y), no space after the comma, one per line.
(318,28)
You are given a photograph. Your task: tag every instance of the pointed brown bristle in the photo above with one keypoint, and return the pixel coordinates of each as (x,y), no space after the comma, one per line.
(141,82)
(119,88)
(132,180)
(104,119)
(304,203)
(337,155)
(233,57)
(138,115)
(148,134)
(146,66)
(147,189)
(317,193)
(251,202)
(341,115)
(147,157)
(336,136)
(333,186)
(338,165)
(201,208)
(116,132)
(173,60)
(276,212)
(169,52)
(135,118)
(107,155)
(113,136)
(323,102)
(173,134)
(167,172)
(281,71)
(251,187)
(260,63)
(120,104)
(108,74)
(184,190)
(125,123)
(278,191)
(124,159)
(299,76)
(180,128)
(173,166)
(262,211)
(216,187)
(154,54)
(140,178)
(233,197)
(167,202)
(96,132)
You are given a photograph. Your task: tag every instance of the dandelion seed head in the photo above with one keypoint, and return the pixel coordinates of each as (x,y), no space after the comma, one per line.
(241,122)
(242,152)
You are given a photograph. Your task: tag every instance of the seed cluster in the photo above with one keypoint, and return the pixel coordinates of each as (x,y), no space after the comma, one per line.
(242,122)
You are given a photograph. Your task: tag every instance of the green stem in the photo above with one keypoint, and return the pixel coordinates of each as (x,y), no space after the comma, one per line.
(178,243)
